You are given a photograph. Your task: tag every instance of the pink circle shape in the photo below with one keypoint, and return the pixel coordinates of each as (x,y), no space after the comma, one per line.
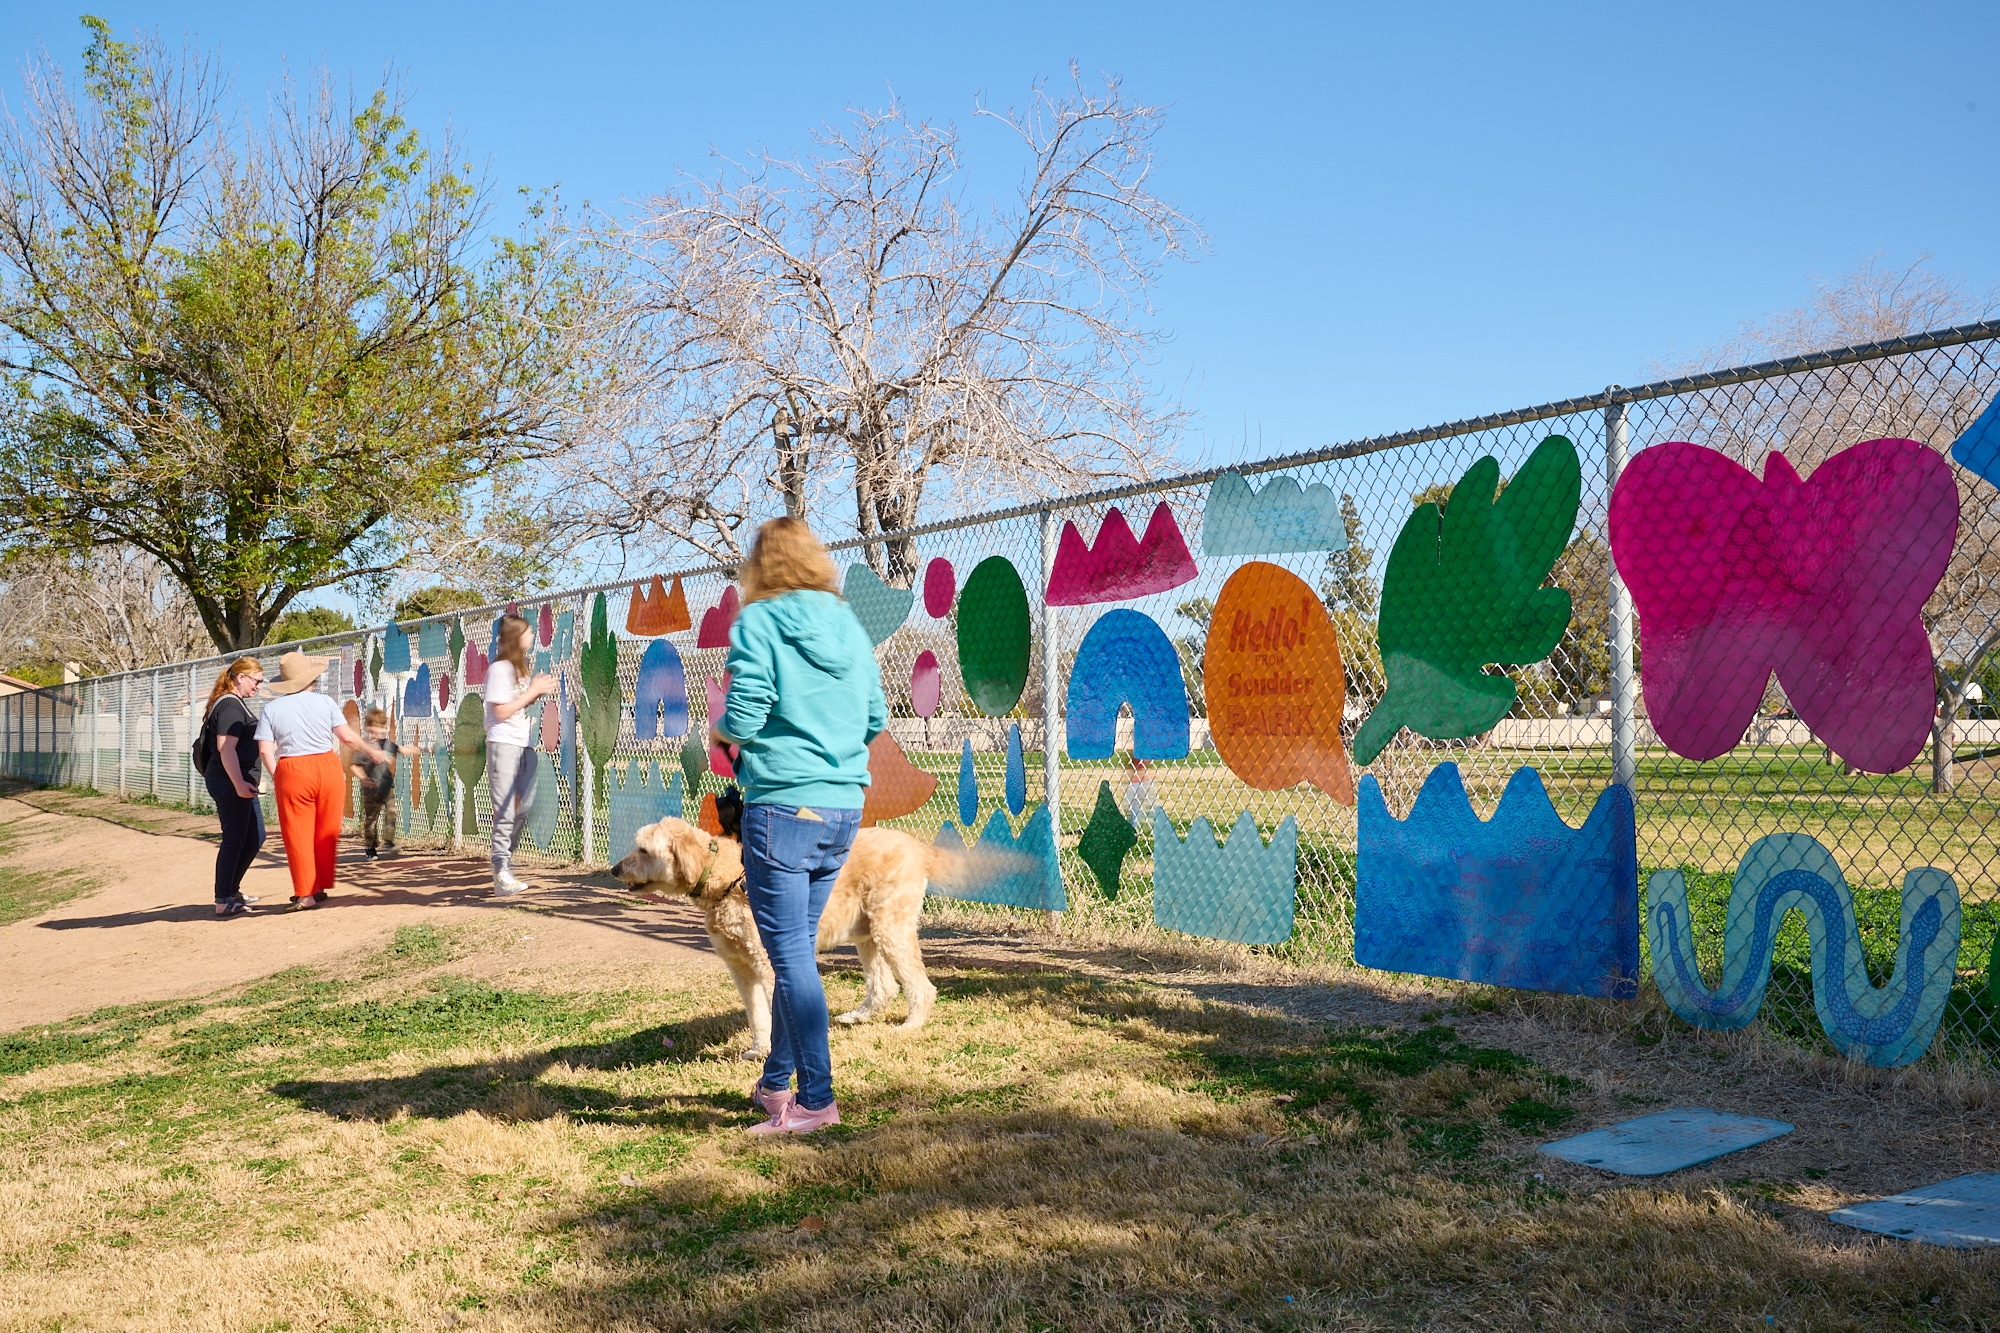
(940,587)
(926,684)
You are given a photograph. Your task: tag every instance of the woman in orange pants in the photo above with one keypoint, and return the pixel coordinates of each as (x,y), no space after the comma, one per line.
(295,736)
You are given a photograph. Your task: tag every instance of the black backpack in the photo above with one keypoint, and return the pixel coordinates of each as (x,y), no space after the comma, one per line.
(202,751)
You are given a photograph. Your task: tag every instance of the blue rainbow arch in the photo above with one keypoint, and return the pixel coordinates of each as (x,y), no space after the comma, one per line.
(1127,658)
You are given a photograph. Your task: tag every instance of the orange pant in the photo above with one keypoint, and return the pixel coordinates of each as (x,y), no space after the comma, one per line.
(310,789)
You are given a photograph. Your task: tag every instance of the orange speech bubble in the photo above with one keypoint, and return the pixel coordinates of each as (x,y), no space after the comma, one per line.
(1274,684)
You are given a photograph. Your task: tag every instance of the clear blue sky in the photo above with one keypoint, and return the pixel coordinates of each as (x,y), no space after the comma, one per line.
(1417,213)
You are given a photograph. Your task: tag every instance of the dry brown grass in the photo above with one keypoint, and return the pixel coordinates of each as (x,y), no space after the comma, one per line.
(1094,1133)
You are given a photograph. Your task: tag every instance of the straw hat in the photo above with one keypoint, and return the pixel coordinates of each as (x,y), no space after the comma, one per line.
(297,672)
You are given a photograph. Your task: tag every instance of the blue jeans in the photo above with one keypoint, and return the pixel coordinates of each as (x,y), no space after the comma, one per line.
(789,865)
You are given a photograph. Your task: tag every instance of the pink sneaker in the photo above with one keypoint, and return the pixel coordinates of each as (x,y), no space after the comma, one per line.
(771,1102)
(796,1119)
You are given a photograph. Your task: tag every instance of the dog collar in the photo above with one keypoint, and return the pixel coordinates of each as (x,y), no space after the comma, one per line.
(701,881)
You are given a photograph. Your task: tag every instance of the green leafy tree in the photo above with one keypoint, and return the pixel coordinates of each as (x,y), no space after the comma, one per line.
(276,360)
(1352,596)
(435,600)
(309,623)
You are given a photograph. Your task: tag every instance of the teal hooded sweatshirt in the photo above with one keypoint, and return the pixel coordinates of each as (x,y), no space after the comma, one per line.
(805,698)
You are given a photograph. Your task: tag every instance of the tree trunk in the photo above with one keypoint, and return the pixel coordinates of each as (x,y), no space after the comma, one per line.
(1943,778)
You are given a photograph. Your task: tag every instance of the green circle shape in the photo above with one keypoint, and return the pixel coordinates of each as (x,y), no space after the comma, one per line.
(993,636)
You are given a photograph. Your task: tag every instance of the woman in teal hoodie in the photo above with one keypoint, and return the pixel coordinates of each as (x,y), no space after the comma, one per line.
(805,699)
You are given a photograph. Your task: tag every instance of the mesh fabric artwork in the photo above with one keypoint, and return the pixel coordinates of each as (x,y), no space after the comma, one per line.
(1243,891)
(694,761)
(1521,900)
(880,608)
(603,700)
(715,621)
(1274,684)
(1107,839)
(968,787)
(940,588)
(1978,449)
(476,664)
(565,633)
(993,636)
(544,814)
(468,752)
(375,665)
(1127,659)
(1666,1141)
(637,797)
(1889,1026)
(1017,772)
(1006,871)
(395,650)
(896,787)
(1119,568)
(431,640)
(417,692)
(660,695)
(545,625)
(360,674)
(566,740)
(657,611)
(1822,581)
(1963,1214)
(444,691)
(721,759)
(1463,590)
(1284,516)
(926,684)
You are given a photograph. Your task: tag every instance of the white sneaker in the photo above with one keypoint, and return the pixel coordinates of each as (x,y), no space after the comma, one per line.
(506,886)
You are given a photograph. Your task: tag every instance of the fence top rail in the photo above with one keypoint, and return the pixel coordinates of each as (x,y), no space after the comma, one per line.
(1954,336)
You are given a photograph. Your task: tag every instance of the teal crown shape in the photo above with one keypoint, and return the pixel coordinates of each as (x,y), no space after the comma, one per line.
(1884,1026)
(638,797)
(1520,900)
(1282,517)
(1008,871)
(1242,891)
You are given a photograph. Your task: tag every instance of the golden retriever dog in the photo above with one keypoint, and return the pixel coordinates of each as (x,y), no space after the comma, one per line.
(874,906)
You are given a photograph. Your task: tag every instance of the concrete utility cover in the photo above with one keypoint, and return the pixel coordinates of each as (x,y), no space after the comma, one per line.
(1666,1141)
(1962,1213)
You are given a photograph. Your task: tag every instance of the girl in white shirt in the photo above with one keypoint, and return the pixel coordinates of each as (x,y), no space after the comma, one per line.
(510,760)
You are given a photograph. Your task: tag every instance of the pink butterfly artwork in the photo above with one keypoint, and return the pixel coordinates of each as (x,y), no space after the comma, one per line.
(1118,567)
(1822,580)
(721,760)
(715,622)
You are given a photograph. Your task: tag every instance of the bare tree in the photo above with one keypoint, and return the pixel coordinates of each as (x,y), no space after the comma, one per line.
(113,608)
(847,320)
(1926,396)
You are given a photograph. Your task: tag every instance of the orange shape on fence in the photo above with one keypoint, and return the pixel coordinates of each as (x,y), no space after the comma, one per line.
(1274,684)
(707,819)
(659,611)
(896,787)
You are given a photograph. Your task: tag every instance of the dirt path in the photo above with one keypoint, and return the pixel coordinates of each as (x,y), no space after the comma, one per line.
(150,933)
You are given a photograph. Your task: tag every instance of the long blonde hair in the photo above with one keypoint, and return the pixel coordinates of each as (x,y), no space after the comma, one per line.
(786,557)
(226,682)
(514,632)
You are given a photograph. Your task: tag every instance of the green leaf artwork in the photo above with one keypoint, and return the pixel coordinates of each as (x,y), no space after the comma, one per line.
(1105,841)
(468,755)
(375,666)
(456,643)
(1464,589)
(602,698)
(694,761)
(993,636)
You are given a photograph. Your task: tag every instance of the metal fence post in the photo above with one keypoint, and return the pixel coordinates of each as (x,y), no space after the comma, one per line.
(1051,726)
(124,711)
(155,788)
(1624,681)
(194,777)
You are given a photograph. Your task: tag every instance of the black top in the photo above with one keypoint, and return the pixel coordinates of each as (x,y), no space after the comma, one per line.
(381,779)
(231,717)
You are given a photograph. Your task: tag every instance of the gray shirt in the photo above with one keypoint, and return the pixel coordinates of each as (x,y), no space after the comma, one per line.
(300,724)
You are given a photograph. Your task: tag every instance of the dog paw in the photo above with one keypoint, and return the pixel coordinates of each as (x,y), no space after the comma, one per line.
(853,1017)
(754,1054)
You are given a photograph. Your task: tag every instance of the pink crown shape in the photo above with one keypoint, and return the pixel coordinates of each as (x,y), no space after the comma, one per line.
(1118,567)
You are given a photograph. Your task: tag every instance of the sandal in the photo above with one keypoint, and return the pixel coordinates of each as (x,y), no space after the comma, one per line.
(234,907)
(304,904)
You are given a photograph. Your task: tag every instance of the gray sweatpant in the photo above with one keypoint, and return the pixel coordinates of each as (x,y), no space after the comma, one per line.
(510,781)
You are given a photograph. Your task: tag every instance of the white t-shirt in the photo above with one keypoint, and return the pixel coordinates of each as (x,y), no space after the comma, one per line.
(300,724)
(503,686)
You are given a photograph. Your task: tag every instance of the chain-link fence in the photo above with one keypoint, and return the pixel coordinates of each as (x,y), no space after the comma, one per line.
(612,760)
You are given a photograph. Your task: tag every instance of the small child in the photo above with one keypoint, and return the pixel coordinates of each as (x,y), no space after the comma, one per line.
(378,785)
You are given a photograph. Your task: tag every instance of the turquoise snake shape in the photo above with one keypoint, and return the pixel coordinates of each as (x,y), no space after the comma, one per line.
(1889,1026)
